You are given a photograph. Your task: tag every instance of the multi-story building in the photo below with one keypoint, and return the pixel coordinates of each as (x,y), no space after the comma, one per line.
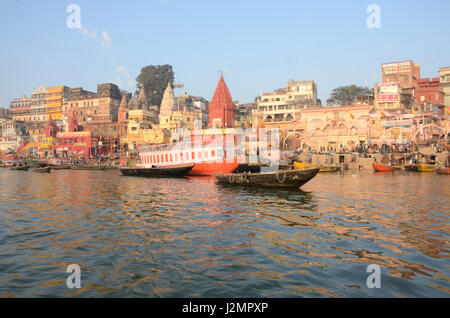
(444,73)
(429,93)
(96,112)
(405,73)
(283,104)
(38,104)
(20,109)
(392,97)
(56,96)
(13,135)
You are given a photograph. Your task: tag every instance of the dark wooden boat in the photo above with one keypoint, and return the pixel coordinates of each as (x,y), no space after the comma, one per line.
(162,172)
(411,167)
(60,167)
(441,170)
(287,178)
(21,168)
(87,167)
(42,170)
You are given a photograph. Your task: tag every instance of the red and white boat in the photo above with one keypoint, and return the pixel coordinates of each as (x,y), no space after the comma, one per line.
(212,151)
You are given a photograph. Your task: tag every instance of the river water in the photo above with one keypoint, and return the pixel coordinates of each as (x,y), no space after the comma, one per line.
(138,237)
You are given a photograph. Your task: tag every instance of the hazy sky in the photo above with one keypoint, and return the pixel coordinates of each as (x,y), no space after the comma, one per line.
(262,44)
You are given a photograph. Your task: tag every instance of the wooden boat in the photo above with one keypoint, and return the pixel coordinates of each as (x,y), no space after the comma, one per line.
(161,172)
(60,167)
(291,178)
(301,165)
(381,167)
(329,168)
(42,170)
(425,167)
(21,168)
(410,167)
(442,170)
(87,167)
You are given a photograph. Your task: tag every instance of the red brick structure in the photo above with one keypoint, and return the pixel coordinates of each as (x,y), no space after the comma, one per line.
(429,91)
(221,108)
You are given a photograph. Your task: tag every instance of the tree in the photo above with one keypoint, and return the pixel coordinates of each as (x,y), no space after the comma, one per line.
(345,95)
(155,79)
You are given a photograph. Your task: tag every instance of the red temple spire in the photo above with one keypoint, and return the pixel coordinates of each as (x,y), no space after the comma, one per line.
(50,129)
(221,108)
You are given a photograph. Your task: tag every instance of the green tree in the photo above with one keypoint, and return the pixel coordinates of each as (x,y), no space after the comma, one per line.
(345,95)
(155,79)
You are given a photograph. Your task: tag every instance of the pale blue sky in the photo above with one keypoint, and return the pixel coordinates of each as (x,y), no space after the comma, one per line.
(262,44)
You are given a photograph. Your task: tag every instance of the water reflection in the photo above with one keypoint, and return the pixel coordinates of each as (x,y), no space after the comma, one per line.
(137,237)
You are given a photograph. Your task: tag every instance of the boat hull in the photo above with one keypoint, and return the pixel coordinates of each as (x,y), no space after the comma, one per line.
(60,167)
(87,167)
(383,168)
(325,168)
(410,167)
(19,168)
(210,168)
(281,179)
(424,167)
(42,170)
(163,172)
(443,170)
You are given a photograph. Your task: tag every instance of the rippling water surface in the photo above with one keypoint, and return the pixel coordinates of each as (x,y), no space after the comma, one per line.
(137,237)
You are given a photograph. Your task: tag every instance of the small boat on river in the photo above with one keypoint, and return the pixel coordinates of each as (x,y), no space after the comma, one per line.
(20,168)
(42,170)
(329,168)
(442,170)
(87,167)
(158,172)
(411,167)
(60,167)
(288,178)
(425,167)
(383,168)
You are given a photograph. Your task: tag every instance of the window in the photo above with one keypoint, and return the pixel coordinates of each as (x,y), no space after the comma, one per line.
(213,153)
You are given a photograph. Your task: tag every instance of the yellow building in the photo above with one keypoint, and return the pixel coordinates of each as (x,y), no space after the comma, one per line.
(142,130)
(180,119)
(55,97)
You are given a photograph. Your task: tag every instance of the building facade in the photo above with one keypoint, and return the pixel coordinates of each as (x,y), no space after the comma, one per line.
(444,73)
(429,93)
(39,104)
(392,97)
(283,104)
(20,109)
(56,96)
(404,73)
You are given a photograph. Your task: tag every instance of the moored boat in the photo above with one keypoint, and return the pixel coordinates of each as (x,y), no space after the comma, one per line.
(410,167)
(442,170)
(87,167)
(20,168)
(380,167)
(42,170)
(329,168)
(60,167)
(290,178)
(301,165)
(161,172)
(425,167)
